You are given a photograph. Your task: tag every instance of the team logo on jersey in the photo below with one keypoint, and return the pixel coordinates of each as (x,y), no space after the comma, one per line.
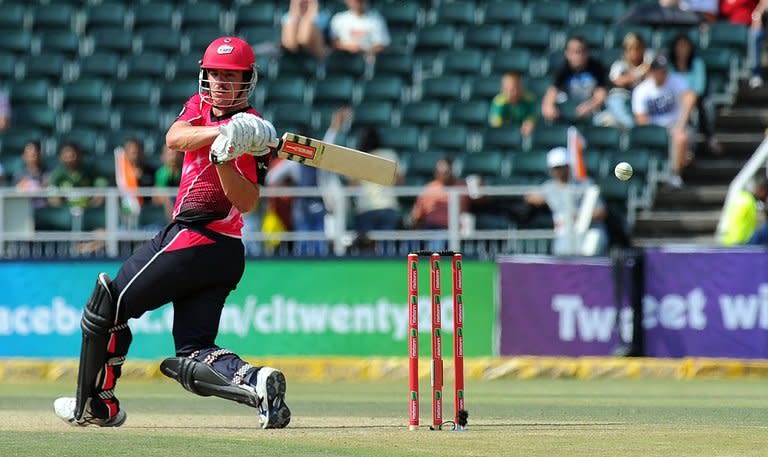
(225,49)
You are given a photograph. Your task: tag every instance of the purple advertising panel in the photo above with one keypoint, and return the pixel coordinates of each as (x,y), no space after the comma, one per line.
(553,306)
(706,303)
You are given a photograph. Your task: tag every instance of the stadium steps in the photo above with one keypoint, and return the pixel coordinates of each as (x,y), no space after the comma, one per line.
(698,197)
(666,223)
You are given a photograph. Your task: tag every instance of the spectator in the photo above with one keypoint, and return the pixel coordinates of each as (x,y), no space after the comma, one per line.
(168,175)
(5,111)
(564,195)
(134,153)
(431,208)
(33,176)
(305,28)
(513,105)
(71,172)
(377,207)
(749,13)
(359,29)
(741,215)
(625,74)
(685,62)
(665,99)
(581,78)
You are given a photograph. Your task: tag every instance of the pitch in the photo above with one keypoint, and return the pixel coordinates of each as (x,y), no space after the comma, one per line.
(507,418)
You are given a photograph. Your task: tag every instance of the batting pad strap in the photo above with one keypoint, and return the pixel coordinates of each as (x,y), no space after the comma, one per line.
(202,379)
(239,376)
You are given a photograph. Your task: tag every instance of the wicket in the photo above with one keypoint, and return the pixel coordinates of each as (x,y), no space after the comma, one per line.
(460,414)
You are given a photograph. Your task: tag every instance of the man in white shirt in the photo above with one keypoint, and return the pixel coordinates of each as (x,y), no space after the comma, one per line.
(359,29)
(665,99)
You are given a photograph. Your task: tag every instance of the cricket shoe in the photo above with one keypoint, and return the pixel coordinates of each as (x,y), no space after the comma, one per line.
(64,408)
(270,388)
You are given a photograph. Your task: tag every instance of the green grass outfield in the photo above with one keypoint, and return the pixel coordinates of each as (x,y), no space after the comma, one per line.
(507,418)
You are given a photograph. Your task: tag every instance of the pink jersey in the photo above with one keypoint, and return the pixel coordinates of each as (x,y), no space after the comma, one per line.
(201,197)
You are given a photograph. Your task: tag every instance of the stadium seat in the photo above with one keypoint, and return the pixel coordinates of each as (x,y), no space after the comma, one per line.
(133,91)
(620,31)
(441,88)
(377,114)
(337,90)
(150,64)
(727,35)
(297,114)
(16,41)
(7,66)
(296,64)
(287,89)
(159,39)
(503,12)
(614,191)
(401,139)
(39,116)
(14,139)
(422,164)
(548,136)
(260,34)
(94,218)
(457,12)
(99,64)
(52,17)
(530,164)
(604,12)
(116,138)
(486,37)
(152,215)
(99,117)
(140,117)
(639,158)
(484,87)
(421,113)
(665,36)
(602,138)
(31,91)
(593,161)
(434,38)
(345,64)
(517,60)
(651,137)
(53,218)
(158,14)
(175,93)
(719,63)
(104,166)
(466,61)
(187,66)
(507,139)
(383,88)
(200,14)
(594,34)
(406,15)
(486,164)
(105,15)
(12,17)
(568,113)
(607,56)
(400,39)
(200,38)
(550,12)
(472,113)
(257,13)
(538,86)
(60,41)
(89,139)
(398,64)
(453,139)
(111,39)
(535,37)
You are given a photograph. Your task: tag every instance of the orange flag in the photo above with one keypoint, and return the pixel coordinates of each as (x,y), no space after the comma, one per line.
(575,146)
(127,182)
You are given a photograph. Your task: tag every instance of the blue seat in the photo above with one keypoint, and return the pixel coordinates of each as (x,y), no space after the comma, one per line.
(16,41)
(517,60)
(175,93)
(200,14)
(52,17)
(434,38)
(594,34)
(105,15)
(38,116)
(259,34)
(31,91)
(99,64)
(93,116)
(535,37)
(727,35)
(472,113)
(133,92)
(149,64)
(486,164)
(53,218)
(141,117)
(487,37)
(550,12)
(201,37)
(336,90)
(441,88)
(397,63)
(297,114)
(457,12)
(159,39)
(504,139)
(549,136)
(46,65)
(464,62)
(158,14)
(421,113)
(345,64)
(485,87)
(257,13)
(111,39)
(604,12)
(7,65)
(12,17)
(453,138)
(504,12)
(373,113)
(91,140)
(406,15)
(405,138)
(383,88)
(287,89)
(60,41)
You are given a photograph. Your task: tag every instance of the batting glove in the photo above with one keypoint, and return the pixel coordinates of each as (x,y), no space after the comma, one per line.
(222,150)
(259,131)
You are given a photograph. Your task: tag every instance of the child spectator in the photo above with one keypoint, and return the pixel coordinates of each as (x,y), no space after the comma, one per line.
(625,74)
(513,105)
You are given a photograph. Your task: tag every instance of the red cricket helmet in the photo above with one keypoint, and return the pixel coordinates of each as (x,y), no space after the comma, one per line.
(229,53)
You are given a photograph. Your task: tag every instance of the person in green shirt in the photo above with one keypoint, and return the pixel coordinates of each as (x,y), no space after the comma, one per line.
(72,172)
(514,105)
(741,214)
(168,175)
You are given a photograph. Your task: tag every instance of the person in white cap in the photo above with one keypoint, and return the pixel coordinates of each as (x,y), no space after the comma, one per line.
(563,196)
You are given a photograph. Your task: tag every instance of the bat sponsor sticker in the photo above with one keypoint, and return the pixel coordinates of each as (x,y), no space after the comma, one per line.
(301,150)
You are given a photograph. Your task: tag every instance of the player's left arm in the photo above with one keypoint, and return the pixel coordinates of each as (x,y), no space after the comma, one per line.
(243,193)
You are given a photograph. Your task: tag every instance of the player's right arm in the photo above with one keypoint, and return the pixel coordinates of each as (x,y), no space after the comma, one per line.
(183,136)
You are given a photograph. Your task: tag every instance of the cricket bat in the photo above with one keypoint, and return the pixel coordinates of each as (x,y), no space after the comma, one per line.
(338,159)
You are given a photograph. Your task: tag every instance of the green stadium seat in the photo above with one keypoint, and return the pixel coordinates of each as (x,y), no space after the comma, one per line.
(175,93)
(472,113)
(53,218)
(159,39)
(456,12)
(506,139)
(257,13)
(345,64)
(336,90)
(651,137)
(95,116)
(383,88)
(485,87)
(530,164)
(149,64)
(52,17)
(298,114)
(421,113)
(486,164)
(37,116)
(604,12)
(727,35)
(105,15)
(487,37)
(568,113)
(594,34)
(94,218)
(545,137)
(554,12)
(12,17)
(538,86)
(152,215)
(106,38)
(89,139)
(720,62)
(60,41)
(116,138)
(400,39)
(464,62)
(16,41)
(259,34)
(288,89)
(536,37)
(141,117)
(14,139)
(36,91)
(99,64)
(517,60)
(453,139)
(614,191)
(665,36)
(133,91)
(401,139)
(296,64)
(397,64)
(441,88)
(200,38)
(7,66)
(503,12)
(200,14)
(153,14)
(422,164)
(405,15)
(593,161)
(373,113)
(187,66)
(602,138)
(607,56)
(435,38)
(104,166)
(620,31)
